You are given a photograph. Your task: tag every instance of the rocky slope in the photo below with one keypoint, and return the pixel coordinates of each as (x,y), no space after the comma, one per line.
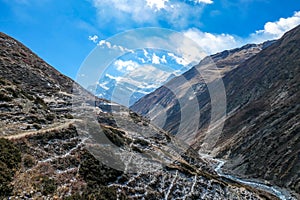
(59,142)
(260,138)
(264,133)
(190,85)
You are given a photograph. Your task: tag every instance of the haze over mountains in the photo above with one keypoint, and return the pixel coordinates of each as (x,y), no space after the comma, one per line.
(57,141)
(261,132)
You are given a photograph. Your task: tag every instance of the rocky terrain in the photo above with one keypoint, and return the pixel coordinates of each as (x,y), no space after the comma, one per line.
(57,141)
(190,85)
(260,139)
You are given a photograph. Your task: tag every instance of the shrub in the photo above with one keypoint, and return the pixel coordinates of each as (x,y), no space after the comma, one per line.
(48,186)
(28,161)
(50,117)
(10,159)
(143,143)
(37,126)
(96,173)
(5,180)
(69,116)
(9,154)
(135,117)
(5,97)
(115,136)
(41,102)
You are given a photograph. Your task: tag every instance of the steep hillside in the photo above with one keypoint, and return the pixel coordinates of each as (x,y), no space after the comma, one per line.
(190,85)
(263,135)
(260,138)
(59,142)
(34,95)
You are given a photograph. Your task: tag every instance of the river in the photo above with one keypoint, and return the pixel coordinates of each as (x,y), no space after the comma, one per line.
(280,193)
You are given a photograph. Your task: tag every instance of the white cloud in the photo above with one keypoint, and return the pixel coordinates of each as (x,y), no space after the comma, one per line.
(104,85)
(187,49)
(146,77)
(283,25)
(161,4)
(204,1)
(126,66)
(146,53)
(142,60)
(213,43)
(94,38)
(163,59)
(113,77)
(147,56)
(156,4)
(157,60)
(121,15)
(179,60)
(209,42)
(274,30)
(106,44)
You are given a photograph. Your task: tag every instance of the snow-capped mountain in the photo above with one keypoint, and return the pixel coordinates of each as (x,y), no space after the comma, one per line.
(131,77)
(130,88)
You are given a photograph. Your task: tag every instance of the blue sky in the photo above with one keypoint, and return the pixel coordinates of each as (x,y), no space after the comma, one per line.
(59,31)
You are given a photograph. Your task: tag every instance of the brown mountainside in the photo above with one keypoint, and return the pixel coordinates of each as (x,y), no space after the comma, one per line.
(57,141)
(261,134)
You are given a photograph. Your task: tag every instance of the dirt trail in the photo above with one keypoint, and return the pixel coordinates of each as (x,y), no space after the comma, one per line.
(56,126)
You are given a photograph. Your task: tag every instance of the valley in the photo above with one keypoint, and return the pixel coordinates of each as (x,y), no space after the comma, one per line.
(58,145)
(278,192)
(259,134)
(58,141)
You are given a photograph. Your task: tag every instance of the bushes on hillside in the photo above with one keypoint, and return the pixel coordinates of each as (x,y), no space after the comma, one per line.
(10,159)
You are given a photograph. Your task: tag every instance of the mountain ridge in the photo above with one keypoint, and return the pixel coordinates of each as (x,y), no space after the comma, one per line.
(60,142)
(262,102)
(252,49)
